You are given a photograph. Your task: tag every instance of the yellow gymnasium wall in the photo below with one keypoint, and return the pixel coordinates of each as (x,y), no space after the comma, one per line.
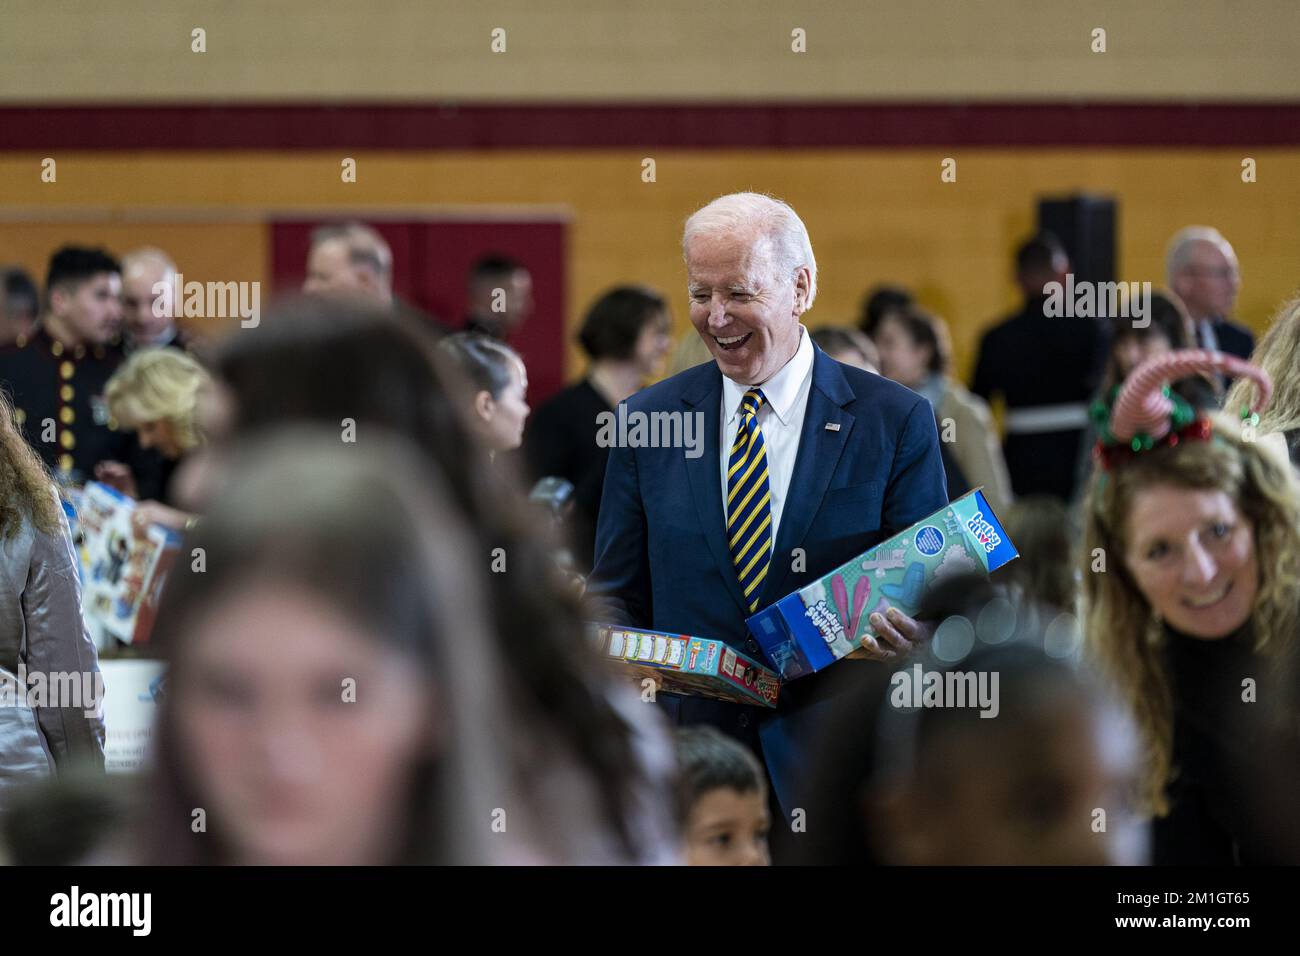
(669,50)
(874,215)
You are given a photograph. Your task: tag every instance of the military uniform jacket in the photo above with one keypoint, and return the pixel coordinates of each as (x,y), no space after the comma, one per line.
(58,394)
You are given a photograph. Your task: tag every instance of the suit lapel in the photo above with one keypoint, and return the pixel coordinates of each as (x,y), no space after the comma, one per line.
(815,462)
(705,476)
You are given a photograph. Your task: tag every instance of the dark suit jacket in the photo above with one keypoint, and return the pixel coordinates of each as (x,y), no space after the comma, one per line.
(1031,359)
(661,550)
(1234,338)
(561,440)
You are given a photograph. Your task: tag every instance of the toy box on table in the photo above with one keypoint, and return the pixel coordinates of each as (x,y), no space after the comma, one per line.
(825,620)
(122,573)
(681,664)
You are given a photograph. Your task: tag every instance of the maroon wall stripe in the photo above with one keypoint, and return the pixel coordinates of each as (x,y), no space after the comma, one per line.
(693,126)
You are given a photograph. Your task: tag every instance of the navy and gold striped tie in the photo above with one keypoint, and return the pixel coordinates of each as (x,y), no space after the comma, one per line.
(749,501)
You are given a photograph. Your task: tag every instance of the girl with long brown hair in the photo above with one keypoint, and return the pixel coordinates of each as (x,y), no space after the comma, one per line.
(41,630)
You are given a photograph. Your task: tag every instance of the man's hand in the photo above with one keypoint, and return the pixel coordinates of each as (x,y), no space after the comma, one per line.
(897,635)
(116,475)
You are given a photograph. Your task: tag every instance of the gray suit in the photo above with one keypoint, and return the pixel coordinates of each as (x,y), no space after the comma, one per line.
(41,629)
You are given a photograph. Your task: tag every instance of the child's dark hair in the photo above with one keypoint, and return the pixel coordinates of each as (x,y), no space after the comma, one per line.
(889,741)
(708,760)
(488,364)
(1033,686)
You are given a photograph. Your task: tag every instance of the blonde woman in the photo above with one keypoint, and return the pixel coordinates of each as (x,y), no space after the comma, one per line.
(1191,568)
(156,394)
(41,630)
(1277,355)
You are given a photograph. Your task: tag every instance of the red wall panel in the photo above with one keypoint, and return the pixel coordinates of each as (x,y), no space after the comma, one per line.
(430,262)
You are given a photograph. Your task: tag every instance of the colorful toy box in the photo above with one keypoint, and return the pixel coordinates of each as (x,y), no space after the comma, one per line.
(825,620)
(122,573)
(681,664)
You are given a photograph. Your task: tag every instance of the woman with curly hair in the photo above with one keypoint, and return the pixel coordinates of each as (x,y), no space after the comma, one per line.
(1191,564)
(41,630)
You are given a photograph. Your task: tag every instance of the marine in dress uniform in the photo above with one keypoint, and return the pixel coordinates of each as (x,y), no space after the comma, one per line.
(57,392)
(1046,370)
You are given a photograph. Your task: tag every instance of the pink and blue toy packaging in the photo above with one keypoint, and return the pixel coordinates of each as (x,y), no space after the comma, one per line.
(825,620)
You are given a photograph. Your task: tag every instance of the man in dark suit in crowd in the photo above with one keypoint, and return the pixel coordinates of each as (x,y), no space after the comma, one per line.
(1047,370)
(800,464)
(499,296)
(350,261)
(1202,270)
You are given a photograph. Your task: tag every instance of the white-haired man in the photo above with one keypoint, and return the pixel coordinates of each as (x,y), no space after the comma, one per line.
(145,325)
(1202,271)
(805,463)
(350,260)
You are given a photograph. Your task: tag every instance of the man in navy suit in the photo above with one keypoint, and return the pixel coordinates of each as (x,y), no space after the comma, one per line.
(845,459)
(1202,270)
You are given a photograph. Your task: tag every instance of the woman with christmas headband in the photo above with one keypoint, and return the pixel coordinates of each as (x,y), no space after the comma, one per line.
(1191,579)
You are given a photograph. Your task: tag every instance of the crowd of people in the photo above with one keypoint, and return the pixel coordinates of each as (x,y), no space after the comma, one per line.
(384,657)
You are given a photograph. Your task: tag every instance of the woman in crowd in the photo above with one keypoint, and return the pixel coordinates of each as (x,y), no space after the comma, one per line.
(848,346)
(914,352)
(322,363)
(878,302)
(1278,354)
(41,630)
(156,395)
(1130,346)
(1191,558)
(626,336)
(497,407)
(332,695)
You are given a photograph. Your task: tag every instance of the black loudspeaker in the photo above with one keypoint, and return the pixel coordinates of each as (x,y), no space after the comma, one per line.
(1086,227)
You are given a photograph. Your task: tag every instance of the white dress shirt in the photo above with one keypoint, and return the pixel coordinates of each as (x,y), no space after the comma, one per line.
(780,419)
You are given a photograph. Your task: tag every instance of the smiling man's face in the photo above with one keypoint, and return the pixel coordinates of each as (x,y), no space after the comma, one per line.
(745,311)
